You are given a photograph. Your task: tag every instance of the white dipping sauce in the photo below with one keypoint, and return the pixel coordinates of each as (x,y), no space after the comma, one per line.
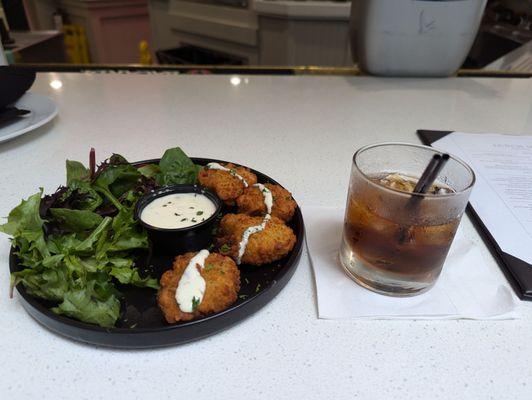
(178,210)
(191,286)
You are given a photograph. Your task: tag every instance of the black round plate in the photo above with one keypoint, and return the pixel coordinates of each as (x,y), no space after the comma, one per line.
(141,323)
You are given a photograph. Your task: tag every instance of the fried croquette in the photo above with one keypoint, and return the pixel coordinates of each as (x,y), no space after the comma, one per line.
(266,246)
(226,184)
(222,283)
(252,202)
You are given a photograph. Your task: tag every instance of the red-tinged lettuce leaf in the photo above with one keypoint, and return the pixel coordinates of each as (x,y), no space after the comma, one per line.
(81,196)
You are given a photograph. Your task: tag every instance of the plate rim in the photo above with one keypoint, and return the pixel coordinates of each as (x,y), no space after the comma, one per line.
(289,268)
(36,125)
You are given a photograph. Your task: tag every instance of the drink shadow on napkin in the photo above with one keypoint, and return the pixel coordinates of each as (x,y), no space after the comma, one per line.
(466,289)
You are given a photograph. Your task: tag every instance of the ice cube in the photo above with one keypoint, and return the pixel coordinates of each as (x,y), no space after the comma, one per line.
(399,182)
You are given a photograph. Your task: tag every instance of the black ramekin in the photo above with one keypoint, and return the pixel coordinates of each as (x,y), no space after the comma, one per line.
(180,240)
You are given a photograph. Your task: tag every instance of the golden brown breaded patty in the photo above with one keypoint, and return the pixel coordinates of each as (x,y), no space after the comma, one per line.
(269,245)
(222,283)
(252,202)
(226,186)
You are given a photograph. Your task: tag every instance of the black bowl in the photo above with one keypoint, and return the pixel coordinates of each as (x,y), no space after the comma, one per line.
(14,83)
(179,240)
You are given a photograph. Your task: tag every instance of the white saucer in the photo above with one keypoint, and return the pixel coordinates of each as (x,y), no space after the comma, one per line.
(42,109)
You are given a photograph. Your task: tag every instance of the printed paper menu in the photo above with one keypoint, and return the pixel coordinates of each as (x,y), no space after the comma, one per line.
(502,196)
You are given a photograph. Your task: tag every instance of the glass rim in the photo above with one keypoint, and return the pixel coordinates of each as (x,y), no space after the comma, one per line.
(420,146)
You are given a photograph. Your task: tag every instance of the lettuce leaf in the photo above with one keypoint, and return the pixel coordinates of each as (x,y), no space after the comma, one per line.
(90,305)
(76,171)
(76,220)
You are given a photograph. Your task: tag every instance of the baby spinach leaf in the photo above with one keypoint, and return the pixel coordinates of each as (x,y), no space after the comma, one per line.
(176,168)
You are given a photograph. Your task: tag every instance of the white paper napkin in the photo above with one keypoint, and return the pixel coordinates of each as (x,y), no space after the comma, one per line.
(466,288)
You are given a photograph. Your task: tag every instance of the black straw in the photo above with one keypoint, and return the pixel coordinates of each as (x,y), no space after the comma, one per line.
(423,185)
(431,173)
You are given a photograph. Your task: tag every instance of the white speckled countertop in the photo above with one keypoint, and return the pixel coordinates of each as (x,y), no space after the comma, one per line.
(303,132)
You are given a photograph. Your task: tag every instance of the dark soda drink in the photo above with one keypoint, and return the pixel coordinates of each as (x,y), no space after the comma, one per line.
(409,253)
(393,243)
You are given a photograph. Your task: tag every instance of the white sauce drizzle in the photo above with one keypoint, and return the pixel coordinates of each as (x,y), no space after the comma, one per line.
(268,201)
(268,197)
(214,165)
(191,286)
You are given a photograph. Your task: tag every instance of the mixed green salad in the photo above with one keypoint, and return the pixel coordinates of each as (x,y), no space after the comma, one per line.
(77,244)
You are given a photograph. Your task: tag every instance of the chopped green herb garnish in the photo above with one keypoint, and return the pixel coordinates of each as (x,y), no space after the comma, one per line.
(184,219)
(247,280)
(243,296)
(199,213)
(177,215)
(191,207)
(193,220)
(257,288)
(225,248)
(195,303)
(208,267)
(164,205)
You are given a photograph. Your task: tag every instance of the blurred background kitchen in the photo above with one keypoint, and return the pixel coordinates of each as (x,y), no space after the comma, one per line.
(227,32)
